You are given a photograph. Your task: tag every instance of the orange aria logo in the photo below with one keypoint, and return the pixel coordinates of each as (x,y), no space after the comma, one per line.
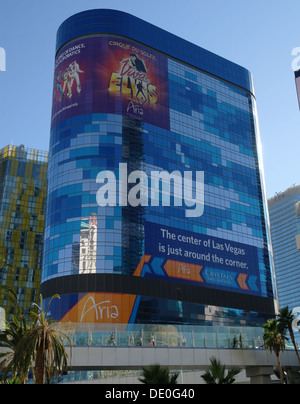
(102,308)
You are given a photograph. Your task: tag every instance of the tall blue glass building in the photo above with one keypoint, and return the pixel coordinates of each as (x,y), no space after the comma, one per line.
(138,116)
(284,210)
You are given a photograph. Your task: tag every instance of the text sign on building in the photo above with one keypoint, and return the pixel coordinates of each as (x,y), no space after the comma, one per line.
(111,75)
(205,260)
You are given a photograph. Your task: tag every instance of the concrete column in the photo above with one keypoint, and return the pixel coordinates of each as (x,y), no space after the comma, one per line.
(260,374)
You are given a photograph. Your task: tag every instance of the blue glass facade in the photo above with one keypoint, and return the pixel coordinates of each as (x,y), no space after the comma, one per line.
(161,265)
(285,223)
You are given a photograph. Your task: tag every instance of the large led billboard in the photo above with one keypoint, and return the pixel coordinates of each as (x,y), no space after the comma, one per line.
(200,259)
(111,75)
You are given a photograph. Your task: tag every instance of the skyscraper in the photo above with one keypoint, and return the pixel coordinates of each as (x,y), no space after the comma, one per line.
(156,209)
(284,209)
(23,188)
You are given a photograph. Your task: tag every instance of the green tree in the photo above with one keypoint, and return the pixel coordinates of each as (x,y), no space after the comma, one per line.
(10,339)
(155,374)
(285,319)
(43,344)
(275,341)
(216,375)
(11,381)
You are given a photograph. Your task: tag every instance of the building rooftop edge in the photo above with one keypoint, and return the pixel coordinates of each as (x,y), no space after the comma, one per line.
(24,153)
(279,196)
(108,21)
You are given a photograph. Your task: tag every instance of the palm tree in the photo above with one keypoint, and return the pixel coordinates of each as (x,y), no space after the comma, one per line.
(9,340)
(217,373)
(286,319)
(155,374)
(43,344)
(274,340)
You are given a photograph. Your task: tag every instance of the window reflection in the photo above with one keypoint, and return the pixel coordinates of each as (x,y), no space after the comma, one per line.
(88,246)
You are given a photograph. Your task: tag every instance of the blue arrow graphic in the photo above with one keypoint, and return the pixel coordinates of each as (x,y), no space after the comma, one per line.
(252,283)
(156,265)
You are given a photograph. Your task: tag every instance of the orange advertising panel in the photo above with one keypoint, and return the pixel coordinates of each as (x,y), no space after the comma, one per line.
(181,270)
(106,308)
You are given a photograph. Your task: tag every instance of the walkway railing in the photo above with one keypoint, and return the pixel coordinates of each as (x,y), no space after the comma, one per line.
(185,336)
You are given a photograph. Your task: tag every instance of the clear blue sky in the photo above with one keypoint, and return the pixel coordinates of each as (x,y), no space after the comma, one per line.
(257,34)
